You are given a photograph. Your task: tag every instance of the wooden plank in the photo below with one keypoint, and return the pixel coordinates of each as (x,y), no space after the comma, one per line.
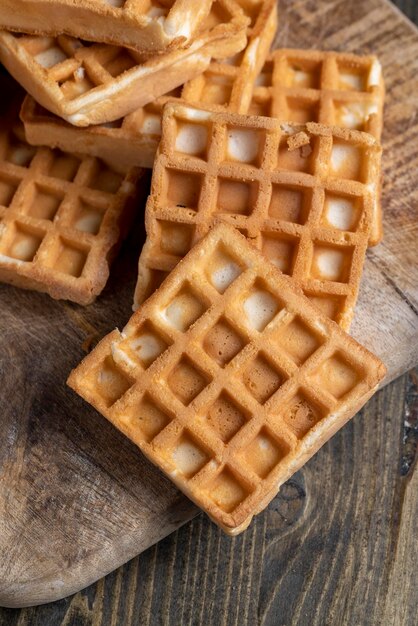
(77,500)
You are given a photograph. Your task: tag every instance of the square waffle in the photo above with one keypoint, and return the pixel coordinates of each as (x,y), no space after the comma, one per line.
(303,194)
(89,83)
(148,26)
(332,88)
(62,216)
(133,140)
(228,378)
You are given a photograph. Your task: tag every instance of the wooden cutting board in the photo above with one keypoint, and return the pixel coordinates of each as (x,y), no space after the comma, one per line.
(76,498)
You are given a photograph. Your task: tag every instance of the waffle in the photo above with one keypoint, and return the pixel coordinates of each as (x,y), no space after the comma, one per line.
(97,83)
(228,378)
(327,87)
(148,26)
(133,140)
(228,84)
(62,217)
(303,194)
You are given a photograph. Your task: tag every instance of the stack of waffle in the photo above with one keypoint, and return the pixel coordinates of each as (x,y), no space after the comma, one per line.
(236,366)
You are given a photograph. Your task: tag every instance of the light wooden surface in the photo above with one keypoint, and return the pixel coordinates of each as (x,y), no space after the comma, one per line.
(77,500)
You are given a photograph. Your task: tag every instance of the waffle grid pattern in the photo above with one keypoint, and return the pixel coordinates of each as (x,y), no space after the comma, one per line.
(331,88)
(228,379)
(61,218)
(304,195)
(75,79)
(226,85)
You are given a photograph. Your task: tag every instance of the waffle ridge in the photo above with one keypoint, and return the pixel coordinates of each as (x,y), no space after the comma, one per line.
(226,85)
(62,216)
(228,378)
(303,194)
(92,83)
(144,25)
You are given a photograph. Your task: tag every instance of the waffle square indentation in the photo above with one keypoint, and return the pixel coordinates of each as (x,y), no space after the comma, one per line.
(150,124)
(45,203)
(301,413)
(186,380)
(24,243)
(183,189)
(303,73)
(265,77)
(226,417)
(148,417)
(302,110)
(78,83)
(289,203)
(145,345)
(264,453)
(8,188)
(87,217)
(188,456)
(48,56)
(223,270)
(331,305)
(236,196)
(110,382)
(262,378)
(69,258)
(351,77)
(184,309)
(222,343)
(227,491)
(296,159)
(175,238)
(244,145)
(121,62)
(341,211)
(261,106)
(64,166)
(19,153)
(217,89)
(354,115)
(281,250)
(347,161)
(105,179)
(260,307)
(337,375)
(192,139)
(298,340)
(331,263)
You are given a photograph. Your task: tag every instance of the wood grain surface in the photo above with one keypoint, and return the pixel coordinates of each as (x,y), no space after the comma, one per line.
(337,546)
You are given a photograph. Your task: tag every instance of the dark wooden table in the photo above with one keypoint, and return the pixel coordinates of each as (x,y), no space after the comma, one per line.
(355,565)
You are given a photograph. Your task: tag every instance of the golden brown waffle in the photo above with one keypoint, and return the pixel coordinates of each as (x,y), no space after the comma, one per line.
(331,88)
(303,194)
(133,140)
(62,217)
(228,378)
(98,83)
(227,84)
(149,26)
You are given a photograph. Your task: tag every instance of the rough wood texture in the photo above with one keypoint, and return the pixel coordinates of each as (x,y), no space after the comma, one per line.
(76,499)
